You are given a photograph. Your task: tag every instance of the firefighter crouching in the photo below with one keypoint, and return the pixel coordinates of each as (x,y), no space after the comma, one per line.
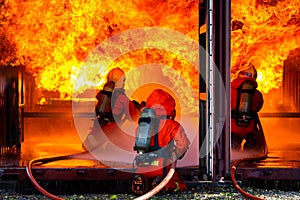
(246,102)
(113,107)
(158,136)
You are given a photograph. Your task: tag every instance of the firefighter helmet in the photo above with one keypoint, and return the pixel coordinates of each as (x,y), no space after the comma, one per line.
(115,75)
(250,71)
(162,102)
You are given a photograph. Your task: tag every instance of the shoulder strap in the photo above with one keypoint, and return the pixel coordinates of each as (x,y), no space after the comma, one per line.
(115,95)
(156,142)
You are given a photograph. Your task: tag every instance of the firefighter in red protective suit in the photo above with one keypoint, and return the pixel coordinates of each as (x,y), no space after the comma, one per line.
(169,137)
(246,102)
(113,108)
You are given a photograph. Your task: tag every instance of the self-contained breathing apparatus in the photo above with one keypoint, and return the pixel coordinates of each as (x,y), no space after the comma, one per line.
(149,155)
(148,127)
(243,112)
(103,108)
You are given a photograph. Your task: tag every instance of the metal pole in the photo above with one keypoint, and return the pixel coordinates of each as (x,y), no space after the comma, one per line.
(210,90)
(221,15)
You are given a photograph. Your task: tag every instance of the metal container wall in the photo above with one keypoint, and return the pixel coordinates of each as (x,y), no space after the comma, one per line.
(291,82)
(11,109)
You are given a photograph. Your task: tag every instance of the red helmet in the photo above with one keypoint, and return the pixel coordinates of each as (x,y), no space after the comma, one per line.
(115,75)
(162,102)
(250,71)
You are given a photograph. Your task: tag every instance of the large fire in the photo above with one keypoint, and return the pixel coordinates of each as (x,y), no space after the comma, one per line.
(53,38)
(264,32)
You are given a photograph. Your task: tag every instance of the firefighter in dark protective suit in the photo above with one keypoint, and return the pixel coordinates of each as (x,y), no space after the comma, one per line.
(165,137)
(246,102)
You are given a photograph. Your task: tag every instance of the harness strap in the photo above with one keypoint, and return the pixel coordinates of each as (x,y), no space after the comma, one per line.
(156,142)
(238,115)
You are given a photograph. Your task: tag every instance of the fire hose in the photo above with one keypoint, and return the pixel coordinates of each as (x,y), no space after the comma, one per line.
(162,184)
(235,184)
(73,156)
(44,161)
(251,159)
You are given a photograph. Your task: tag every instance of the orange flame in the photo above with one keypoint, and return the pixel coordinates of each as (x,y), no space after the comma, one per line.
(52,38)
(264,34)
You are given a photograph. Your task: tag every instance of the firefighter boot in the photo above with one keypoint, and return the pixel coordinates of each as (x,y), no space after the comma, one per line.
(176,184)
(156,181)
(139,185)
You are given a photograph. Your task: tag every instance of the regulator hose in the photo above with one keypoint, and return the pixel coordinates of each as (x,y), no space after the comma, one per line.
(47,160)
(162,184)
